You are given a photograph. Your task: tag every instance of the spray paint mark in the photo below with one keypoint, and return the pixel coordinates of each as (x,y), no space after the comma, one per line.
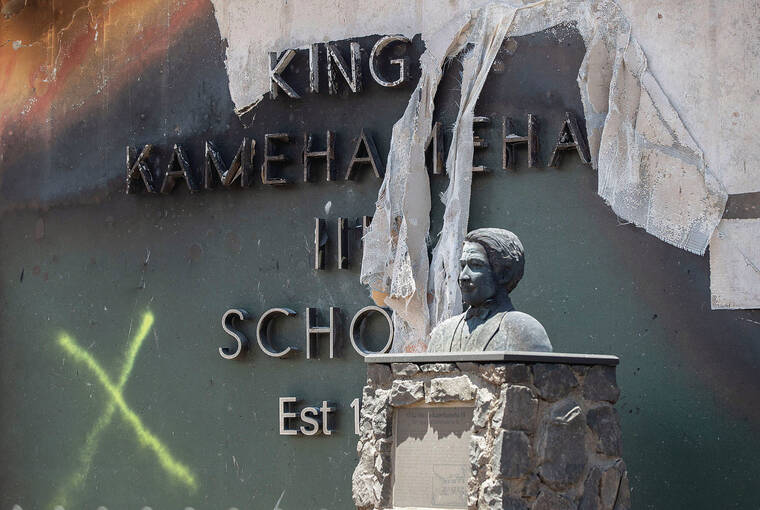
(175,469)
(76,481)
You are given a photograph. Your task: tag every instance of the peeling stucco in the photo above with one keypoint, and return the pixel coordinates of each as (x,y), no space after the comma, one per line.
(652,171)
(706,57)
(735,264)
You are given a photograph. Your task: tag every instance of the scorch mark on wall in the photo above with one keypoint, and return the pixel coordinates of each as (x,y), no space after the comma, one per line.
(175,469)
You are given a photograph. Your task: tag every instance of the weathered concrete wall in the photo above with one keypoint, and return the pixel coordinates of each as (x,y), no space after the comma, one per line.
(544,436)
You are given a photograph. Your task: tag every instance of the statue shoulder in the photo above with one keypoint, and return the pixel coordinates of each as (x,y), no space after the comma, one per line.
(440,337)
(524,332)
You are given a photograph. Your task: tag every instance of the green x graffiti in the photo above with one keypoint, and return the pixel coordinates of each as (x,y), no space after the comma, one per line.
(175,469)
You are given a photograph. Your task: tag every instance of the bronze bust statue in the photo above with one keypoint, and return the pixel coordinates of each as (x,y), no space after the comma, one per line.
(491,265)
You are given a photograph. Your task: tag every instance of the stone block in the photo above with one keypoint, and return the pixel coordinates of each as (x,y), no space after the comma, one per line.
(492,373)
(405,392)
(548,500)
(513,503)
(363,478)
(523,488)
(624,494)
(383,464)
(384,445)
(373,400)
(610,483)
(520,408)
(591,499)
(379,417)
(473,485)
(600,384)
(374,412)
(439,368)
(484,404)
(580,370)
(553,381)
(469,366)
(512,454)
(404,369)
(562,456)
(447,389)
(378,374)
(384,491)
(479,452)
(491,495)
(604,422)
(517,373)
(381,426)
(605,488)
(359,446)
(530,487)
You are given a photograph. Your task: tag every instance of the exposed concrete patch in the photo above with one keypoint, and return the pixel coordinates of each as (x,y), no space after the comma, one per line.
(735,265)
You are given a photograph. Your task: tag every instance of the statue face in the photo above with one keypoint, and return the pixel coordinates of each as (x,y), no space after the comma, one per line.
(475,276)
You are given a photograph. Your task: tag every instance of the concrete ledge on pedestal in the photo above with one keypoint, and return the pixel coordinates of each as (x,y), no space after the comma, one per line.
(492,356)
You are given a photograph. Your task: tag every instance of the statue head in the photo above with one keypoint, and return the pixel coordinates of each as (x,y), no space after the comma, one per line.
(492,261)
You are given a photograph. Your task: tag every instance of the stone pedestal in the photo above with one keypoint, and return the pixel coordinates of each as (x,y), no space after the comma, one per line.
(544,433)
